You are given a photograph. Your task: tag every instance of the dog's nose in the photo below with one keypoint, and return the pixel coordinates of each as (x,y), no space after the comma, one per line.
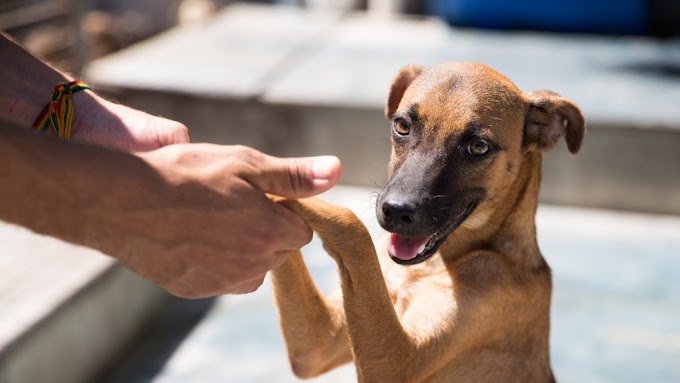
(398,213)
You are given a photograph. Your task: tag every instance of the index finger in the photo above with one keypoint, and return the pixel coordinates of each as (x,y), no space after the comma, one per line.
(293,233)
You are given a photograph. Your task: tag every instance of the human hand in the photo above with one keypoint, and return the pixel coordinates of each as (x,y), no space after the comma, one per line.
(207,227)
(101,122)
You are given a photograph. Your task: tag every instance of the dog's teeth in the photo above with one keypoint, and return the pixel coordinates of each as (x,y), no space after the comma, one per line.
(421,248)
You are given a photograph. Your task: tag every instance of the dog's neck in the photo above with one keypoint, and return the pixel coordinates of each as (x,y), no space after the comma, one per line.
(510,229)
(515,234)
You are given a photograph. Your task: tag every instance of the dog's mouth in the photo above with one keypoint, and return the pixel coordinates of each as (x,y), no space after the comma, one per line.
(411,251)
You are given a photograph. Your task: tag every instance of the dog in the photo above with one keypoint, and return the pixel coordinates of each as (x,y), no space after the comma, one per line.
(458,290)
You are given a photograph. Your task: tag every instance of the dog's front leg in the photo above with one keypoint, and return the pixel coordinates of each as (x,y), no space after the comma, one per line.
(384,350)
(313,326)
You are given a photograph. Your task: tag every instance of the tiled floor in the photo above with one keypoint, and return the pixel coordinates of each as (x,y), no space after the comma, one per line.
(615,312)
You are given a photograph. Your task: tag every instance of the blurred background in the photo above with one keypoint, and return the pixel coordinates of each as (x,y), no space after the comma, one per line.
(296,78)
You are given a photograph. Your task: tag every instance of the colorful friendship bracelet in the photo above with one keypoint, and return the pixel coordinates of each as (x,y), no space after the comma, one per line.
(58,113)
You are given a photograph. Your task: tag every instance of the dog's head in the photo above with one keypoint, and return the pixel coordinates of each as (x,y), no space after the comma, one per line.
(460,133)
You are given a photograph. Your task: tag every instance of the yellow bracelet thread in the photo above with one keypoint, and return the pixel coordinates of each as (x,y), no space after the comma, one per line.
(58,113)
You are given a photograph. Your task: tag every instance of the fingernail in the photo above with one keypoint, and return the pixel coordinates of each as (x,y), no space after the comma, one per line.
(322,167)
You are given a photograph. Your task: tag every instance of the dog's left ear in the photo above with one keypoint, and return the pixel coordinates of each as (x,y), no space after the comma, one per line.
(549,117)
(403,79)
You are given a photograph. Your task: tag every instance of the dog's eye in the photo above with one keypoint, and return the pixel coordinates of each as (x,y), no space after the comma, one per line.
(401,127)
(478,148)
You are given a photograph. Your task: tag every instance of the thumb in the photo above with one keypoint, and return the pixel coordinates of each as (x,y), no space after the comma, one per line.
(297,177)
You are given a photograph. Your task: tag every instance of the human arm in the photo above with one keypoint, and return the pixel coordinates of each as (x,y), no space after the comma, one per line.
(191,218)
(27,82)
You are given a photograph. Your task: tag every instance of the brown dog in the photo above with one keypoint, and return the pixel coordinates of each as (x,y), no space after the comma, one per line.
(473,305)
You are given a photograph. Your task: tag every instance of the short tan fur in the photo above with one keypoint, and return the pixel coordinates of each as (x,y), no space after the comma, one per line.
(464,174)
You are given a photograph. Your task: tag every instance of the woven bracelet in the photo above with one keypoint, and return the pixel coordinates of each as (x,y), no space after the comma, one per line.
(58,113)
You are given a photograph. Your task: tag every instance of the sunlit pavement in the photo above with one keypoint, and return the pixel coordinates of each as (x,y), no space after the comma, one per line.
(616,305)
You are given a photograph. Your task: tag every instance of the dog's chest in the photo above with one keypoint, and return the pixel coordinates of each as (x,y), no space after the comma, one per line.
(413,285)
(399,285)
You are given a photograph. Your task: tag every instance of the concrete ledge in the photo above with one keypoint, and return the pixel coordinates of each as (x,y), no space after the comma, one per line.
(321,88)
(618,167)
(67,310)
(623,168)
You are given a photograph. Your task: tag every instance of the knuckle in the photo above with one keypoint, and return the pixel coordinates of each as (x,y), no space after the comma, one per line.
(247,161)
(264,239)
(248,155)
(306,235)
(288,235)
(253,285)
(251,266)
(245,288)
(298,171)
(181,133)
(183,292)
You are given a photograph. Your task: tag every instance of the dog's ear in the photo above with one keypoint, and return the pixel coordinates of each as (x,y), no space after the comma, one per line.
(550,117)
(403,79)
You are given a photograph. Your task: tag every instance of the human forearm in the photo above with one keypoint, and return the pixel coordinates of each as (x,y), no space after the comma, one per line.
(26,83)
(25,91)
(65,189)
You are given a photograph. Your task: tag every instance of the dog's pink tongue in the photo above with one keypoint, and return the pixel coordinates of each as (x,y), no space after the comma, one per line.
(404,248)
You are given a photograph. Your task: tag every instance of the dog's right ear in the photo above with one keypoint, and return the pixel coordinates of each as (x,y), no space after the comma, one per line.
(403,79)
(549,117)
